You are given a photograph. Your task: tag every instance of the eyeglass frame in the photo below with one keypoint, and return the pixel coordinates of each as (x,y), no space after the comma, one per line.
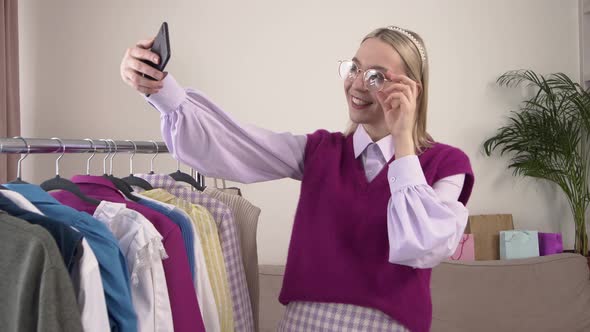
(364,71)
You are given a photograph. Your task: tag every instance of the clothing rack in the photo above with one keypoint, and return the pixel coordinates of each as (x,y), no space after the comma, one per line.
(48,145)
(28,146)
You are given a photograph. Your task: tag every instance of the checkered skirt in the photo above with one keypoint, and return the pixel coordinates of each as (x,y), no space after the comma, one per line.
(319,316)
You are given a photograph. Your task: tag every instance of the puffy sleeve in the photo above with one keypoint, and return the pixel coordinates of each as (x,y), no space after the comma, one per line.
(424,223)
(200,134)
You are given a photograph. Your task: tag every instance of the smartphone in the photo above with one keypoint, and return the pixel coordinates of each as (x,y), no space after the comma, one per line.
(161,47)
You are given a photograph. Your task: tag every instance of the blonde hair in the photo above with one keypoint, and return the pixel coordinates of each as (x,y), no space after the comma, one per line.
(416,70)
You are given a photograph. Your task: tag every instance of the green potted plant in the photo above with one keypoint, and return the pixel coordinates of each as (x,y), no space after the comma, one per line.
(548,138)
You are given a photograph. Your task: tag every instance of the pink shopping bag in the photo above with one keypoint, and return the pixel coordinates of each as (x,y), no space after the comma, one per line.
(466,249)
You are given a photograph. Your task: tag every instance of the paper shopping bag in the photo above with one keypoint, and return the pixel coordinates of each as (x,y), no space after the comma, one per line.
(550,244)
(486,233)
(465,250)
(519,244)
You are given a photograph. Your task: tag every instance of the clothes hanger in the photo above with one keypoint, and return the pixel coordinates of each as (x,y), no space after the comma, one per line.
(199,177)
(19,163)
(92,156)
(178,175)
(133,180)
(183,177)
(59,183)
(121,185)
(104,161)
(154,157)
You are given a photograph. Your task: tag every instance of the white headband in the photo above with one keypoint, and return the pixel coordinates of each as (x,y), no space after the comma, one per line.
(412,38)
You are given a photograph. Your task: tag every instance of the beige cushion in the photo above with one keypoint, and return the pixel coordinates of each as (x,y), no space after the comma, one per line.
(550,293)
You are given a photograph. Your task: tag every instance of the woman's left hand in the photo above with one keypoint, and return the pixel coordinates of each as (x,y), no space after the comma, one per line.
(398,100)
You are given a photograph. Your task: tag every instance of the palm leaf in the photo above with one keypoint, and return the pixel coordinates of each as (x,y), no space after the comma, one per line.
(548,137)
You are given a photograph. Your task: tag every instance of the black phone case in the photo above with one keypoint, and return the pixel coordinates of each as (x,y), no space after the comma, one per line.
(161,47)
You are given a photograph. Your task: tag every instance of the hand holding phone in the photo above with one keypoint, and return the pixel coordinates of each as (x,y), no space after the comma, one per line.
(143,64)
(161,47)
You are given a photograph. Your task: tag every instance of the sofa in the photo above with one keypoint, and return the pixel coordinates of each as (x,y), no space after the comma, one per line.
(549,293)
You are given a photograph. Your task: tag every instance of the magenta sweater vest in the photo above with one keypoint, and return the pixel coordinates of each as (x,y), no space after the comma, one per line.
(339,245)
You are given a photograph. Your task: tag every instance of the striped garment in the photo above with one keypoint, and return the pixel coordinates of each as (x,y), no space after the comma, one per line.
(207,231)
(327,317)
(230,245)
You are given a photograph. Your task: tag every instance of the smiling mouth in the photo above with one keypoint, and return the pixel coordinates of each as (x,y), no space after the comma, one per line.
(359,103)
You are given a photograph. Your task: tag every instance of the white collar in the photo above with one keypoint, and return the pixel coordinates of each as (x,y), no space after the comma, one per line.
(361,140)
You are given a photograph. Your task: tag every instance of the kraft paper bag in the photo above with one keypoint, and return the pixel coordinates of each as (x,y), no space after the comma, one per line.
(486,232)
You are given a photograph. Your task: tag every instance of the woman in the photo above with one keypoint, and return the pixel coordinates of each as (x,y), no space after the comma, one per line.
(379,206)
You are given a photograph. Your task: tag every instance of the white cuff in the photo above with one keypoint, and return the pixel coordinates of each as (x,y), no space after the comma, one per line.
(170,96)
(405,172)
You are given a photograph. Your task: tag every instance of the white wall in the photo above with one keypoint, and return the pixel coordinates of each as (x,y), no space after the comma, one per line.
(273,63)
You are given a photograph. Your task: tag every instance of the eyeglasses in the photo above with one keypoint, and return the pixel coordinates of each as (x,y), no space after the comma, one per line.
(373,79)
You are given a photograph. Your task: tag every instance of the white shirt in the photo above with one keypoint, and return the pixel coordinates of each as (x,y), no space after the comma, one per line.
(86,278)
(90,291)
(142,247)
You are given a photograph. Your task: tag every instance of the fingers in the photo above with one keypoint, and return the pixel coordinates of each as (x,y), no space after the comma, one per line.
(399,87)
(133,68)
(143,54)
(139,80)
(396,98)
(395,104)
(399,78)
(145,43)
(392,100)
(403,79)
(144,68)
(395,95)
(140,83)
(381,97)
(141,89)
(147,91)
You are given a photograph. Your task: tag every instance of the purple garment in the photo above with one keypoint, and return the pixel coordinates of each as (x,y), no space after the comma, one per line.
(186,314)
(230,245)
(339,255)
(550,244)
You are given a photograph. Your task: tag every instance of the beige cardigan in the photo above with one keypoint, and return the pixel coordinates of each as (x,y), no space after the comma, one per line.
(246,218)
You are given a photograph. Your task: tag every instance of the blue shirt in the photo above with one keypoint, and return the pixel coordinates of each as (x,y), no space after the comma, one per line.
(113,268)
(183,222)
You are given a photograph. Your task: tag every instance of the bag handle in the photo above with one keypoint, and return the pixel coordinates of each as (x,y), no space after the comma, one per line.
(462,242)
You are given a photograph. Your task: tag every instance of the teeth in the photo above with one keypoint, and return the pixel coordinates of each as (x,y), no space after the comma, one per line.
(360,102)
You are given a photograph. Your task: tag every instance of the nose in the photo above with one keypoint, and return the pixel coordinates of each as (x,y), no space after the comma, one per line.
(358,82)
